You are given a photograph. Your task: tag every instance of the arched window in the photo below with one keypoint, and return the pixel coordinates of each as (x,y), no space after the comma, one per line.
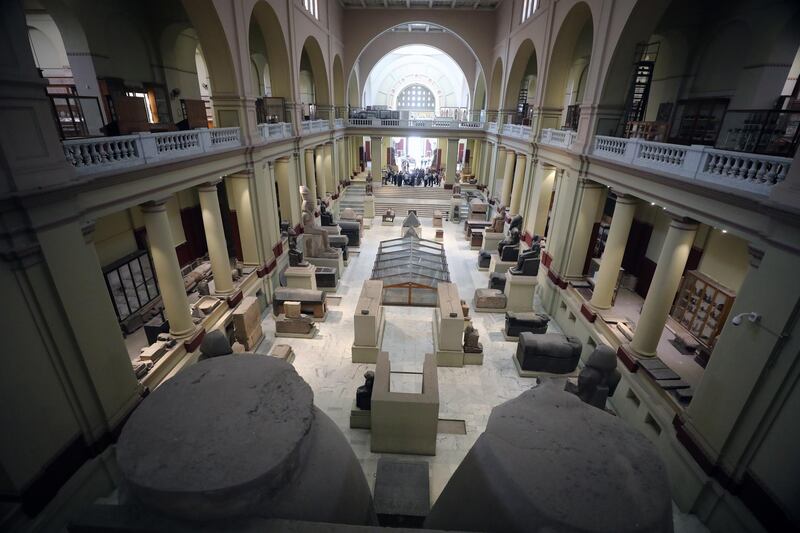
(416,98)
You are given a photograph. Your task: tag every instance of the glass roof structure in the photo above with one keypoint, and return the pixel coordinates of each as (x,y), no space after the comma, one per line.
(411,268)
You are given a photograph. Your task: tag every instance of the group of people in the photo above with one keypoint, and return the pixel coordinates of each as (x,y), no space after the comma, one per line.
(414,178)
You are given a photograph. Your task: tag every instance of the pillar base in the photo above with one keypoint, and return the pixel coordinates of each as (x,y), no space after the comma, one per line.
(183,334)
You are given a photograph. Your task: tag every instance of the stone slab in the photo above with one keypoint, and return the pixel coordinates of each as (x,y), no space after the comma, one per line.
(533,374)
(402,492)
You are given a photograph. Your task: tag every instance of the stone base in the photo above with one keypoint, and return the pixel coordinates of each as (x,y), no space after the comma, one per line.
(281,352)
(488,309)
(445,357)
(309,335)
(495,265)
(368,354)
(387,223)
(491,240)
(301,277)
(483,269)
(533,374)
(473,358)
(337,264)
(359,418)
(519,291)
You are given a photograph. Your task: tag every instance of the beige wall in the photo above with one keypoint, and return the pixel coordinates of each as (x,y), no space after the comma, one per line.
(725,259)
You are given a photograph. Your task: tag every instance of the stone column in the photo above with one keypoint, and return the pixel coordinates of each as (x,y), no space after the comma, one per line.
(499,170)
(541,193)
(330,181)
(288,192)
(508,176)
(168,270)
(215,237)
(518,185)
(452,161)
(319,172)
(243,203)
(311,177)
(671,262)
(343,173)
(610,263)
(375,153)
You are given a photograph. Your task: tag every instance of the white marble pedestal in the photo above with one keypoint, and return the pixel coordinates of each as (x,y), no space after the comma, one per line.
(500,266)
(299,277)
(490,241)
(519,292)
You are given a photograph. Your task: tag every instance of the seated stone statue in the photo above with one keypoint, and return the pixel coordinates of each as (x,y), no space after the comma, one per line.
(508,248)
(551,352)
(388,216)
(364,392)
(315,239)
(471,344)
(516,223)
(325,216)
(295,255)
(498,221)
(598,379)
(527,263)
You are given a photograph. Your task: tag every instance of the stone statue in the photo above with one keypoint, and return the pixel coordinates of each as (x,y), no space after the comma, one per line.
(471,344)
(388,216)
(316,241)
(364,392)
(598,379)
(508,248)
(516,223)
(527,263)
(499,220)
(215,344)
(295,255)
(368,189)
(325,217)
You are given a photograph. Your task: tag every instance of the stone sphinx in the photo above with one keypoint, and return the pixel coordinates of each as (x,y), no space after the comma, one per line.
(598,379)
(295,255)
(315,239)
(471,337)
(552,352)
(364,392)
(517,323)
(508,248)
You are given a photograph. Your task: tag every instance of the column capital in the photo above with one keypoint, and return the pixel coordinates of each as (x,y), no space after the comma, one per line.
(155,206)
(209,186)
(624,198)
(282,160)
(682,223)
(242,174)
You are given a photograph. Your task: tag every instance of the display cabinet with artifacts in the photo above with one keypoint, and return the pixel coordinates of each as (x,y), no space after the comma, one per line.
(702,307)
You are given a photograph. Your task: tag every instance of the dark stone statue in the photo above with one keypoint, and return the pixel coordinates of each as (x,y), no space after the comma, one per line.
(484,259)
(325,216)
(471,344)
(598,379)
(497,281)
(295,255)
(516,223)
(527,263)
(364,392)
(508,248)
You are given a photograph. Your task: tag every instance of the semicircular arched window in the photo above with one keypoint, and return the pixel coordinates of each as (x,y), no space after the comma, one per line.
(416,98)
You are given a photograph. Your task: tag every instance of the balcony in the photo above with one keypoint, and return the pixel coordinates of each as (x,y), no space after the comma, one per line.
(558,138)
(100,154)
(518,131)
(444,123)
(747,172)
(274,132)
(313,126)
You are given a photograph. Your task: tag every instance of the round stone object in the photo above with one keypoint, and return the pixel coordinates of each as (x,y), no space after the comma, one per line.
(548,462)
(218,439)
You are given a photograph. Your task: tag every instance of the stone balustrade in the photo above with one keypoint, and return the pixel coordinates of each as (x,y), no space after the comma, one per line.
(108,153)
(273,132)
(517,130)
(415,123)
(311,126)
(559,138)
(751,172)
(339,123)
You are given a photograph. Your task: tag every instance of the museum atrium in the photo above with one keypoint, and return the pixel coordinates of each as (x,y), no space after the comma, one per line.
(352,265)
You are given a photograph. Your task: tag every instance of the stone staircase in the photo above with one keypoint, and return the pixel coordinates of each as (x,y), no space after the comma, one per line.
(424,199)
(353,197)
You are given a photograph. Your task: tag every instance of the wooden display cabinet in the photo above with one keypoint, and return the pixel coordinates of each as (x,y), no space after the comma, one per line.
(702,307)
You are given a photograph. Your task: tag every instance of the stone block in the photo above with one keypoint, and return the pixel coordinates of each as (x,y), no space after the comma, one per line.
(490,299)
(291,309)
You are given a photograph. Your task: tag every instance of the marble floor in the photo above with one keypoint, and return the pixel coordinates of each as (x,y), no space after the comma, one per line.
(467,393)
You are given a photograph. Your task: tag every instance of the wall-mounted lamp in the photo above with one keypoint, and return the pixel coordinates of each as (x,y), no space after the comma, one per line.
(752,317)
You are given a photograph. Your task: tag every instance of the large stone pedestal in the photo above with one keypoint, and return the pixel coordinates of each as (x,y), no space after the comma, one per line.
(369,208)
(496,265)
(368,323)
(301,277)
(337,264)
(448,327)
(247,323)
(519,291)
(490,241)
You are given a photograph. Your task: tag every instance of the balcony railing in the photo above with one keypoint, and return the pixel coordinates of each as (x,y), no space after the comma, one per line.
(415,123)
(339,123)
(106,153)
(749,172)
(273,132)
(310,126)
(560,138)
(518,131)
